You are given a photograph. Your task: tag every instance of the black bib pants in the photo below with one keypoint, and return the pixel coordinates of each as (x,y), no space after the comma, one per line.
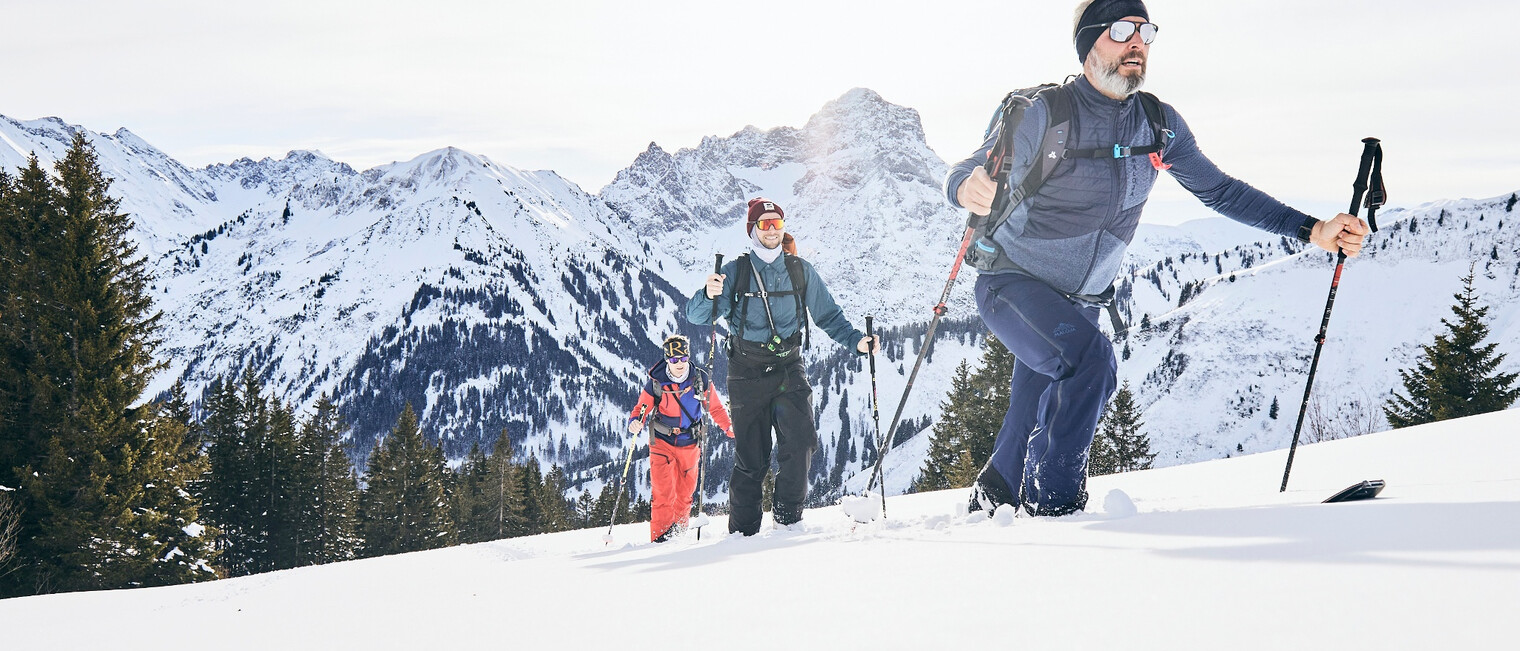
(769,392)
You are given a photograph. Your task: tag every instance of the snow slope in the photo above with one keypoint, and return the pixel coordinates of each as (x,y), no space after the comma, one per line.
(1202,556)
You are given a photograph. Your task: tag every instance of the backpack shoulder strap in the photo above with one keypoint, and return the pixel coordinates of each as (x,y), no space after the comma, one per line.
(799,289)
(738,301)
(1058,129)
(1156,115)
(1058,108)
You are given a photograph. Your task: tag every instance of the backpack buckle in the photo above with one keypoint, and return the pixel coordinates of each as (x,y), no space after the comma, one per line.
(1121,151)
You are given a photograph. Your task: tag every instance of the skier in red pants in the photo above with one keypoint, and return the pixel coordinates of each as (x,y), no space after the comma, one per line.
(678,393)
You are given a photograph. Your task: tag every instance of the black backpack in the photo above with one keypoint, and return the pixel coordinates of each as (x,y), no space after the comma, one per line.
(1061,123)
(743,271)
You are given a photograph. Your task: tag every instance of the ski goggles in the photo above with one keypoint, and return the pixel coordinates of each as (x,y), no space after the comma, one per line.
(772,224)
(1122,30)
(678,360)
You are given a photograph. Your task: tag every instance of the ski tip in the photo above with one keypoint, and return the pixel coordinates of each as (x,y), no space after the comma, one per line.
(1365,490)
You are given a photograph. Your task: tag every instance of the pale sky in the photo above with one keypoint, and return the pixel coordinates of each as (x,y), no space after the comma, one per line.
(1278,92)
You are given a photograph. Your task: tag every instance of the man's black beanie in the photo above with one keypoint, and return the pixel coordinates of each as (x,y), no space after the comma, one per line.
(1097,12)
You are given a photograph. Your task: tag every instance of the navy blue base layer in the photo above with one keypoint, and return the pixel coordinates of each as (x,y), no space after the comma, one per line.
(1064,375)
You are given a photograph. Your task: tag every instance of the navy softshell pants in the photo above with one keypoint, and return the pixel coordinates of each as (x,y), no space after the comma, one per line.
(1064,375)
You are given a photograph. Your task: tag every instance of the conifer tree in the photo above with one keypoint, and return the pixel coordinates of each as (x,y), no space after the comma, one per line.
(326,490)
(971,417)
(556,510)
(77,337)
(1456,375)
(276,490)
(530,485)
(947,440)
(167,515)
(251,490)
(471,507)
(504,505)
(1120,445)
(1102,455)
(585,506)
(225,487)
(405,507)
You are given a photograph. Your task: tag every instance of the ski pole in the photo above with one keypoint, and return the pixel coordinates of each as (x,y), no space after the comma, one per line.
(875,400)
(1372,162)
(618,500)
(883,446)
(999,163)
(707,412)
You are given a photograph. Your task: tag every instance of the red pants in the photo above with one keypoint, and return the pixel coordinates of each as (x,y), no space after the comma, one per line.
(673,477)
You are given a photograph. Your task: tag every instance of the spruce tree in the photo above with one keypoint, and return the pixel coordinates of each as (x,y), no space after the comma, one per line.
(530,485)
(503,492)
(1120,445)
(585,505)
(405,507)
(77,336)
(471,507)
(971,416)
(255,475)
(277,485)
(1456,375)
(166,516)
(556,510)
(326,490)
(947,440)
(226,486)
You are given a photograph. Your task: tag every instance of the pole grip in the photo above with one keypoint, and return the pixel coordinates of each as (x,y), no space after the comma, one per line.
(1369,149)
(718,265)
(870,340)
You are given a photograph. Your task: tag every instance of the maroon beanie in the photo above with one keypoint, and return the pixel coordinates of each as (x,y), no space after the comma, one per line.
(758,207)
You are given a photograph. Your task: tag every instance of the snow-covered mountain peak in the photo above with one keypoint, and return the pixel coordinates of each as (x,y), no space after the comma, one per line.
(862,117)
(858,176)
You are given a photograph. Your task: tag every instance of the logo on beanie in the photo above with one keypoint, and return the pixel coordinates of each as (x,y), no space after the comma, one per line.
(770,207)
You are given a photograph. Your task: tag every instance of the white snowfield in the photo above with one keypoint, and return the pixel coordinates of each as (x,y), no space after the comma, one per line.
(1203,556)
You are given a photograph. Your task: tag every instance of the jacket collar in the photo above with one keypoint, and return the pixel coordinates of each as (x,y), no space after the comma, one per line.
(1088,93)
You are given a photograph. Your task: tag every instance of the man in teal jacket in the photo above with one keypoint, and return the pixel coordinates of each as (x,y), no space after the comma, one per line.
(766,296)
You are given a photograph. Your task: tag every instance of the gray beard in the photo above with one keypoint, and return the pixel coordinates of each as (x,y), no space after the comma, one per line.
(1106,78)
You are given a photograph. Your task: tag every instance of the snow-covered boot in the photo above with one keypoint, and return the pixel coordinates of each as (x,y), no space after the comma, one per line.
(989,492)
(786,514)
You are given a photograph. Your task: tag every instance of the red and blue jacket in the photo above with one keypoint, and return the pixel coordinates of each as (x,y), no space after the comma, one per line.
(679,408)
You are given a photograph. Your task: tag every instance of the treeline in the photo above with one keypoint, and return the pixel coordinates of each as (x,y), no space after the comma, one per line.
(280,494)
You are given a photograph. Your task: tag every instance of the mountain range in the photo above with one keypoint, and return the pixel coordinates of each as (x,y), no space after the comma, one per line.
(492,297)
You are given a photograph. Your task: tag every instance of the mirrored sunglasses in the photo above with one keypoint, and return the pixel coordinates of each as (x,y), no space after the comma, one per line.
(1122,30)
(678,360)
(774,224)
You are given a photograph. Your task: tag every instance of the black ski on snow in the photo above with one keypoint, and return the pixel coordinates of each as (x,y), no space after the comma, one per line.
(1361,491)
